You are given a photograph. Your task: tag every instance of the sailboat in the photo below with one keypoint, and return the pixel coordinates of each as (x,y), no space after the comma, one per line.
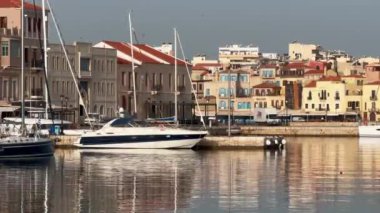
(25,146)
(125,133)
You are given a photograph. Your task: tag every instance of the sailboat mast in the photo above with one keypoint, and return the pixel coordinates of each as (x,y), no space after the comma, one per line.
(133,65)
(44,20)
(175,78)
(22,69)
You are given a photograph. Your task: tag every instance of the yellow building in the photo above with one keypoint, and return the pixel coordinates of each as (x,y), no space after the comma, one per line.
(371,102)
(325,95)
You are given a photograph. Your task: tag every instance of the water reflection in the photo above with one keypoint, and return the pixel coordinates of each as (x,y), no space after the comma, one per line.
(311,175)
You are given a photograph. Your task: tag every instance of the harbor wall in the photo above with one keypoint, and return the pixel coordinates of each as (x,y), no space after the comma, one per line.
(218,142)
(315,131)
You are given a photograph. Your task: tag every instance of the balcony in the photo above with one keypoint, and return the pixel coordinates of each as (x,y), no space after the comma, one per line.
(37,65)
(337,98)
(309,98)
(354,93)
(85,74)
(377,111)
(10,32)
(156,87)
(322,109)
(242,95)
(181,88)
(373,98)
(37,92)
(225,95)
(350,109)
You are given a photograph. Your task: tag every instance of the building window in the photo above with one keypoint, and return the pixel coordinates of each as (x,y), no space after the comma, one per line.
(84,64)
(244,105)
(4,48)
(124,78)
(3,22)
(222,105)
(336,106)
(207,92)
(306,106)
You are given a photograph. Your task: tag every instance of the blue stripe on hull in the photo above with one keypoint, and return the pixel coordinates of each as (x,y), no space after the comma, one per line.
(135,139)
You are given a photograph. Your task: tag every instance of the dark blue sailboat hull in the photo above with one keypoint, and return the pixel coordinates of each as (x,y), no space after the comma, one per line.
(26,150)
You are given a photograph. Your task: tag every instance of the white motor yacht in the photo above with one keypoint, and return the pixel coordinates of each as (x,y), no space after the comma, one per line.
(123,133)
(369,131)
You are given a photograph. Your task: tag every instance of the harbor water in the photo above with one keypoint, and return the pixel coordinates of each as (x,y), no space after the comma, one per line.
(310,175)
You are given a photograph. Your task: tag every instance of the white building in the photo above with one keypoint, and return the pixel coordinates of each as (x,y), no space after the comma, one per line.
(238,55)
(166,48)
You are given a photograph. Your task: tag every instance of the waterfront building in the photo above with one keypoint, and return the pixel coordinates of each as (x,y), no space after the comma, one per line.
(166,48)
(354,91)
(10,55)
(372,72)
(300,51)
(293,95)
(331,97)
(371,102)
(239,57)
(154,81)
(199,76)
(267,95)
(95,69)
(202,60)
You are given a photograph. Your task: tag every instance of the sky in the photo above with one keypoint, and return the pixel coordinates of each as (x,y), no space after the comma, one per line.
(205,25)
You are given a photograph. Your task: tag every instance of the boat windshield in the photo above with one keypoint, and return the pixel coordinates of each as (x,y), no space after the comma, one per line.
(122,122)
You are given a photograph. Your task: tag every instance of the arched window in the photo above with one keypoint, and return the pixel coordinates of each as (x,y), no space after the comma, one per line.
(101,110)
(95,109)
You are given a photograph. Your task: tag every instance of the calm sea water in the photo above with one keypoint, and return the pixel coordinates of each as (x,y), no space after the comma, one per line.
(310,175)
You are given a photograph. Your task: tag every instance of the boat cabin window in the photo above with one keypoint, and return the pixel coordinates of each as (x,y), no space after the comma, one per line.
(122,122)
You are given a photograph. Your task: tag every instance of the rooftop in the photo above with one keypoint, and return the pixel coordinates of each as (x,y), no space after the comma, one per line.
(266,85)
(17,4)
(142,53)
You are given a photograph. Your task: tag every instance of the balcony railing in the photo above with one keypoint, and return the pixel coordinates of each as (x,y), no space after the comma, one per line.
(337,98)
(309,98)
(156,87)
(243,95)
(85,74)
(377,111)
(322,109)
(181,88)
(373,98)
(354,93)
(37,64)
(225,95)
(350,109)
(36,92)
(10,32)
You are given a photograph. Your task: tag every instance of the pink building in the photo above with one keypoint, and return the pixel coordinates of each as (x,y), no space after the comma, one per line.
(10,54)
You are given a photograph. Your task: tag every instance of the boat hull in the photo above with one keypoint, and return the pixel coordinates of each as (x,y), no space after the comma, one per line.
(369,131)
(141,142)
(33,148)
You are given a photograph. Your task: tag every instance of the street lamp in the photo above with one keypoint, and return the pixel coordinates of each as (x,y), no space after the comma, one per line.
(61,129)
